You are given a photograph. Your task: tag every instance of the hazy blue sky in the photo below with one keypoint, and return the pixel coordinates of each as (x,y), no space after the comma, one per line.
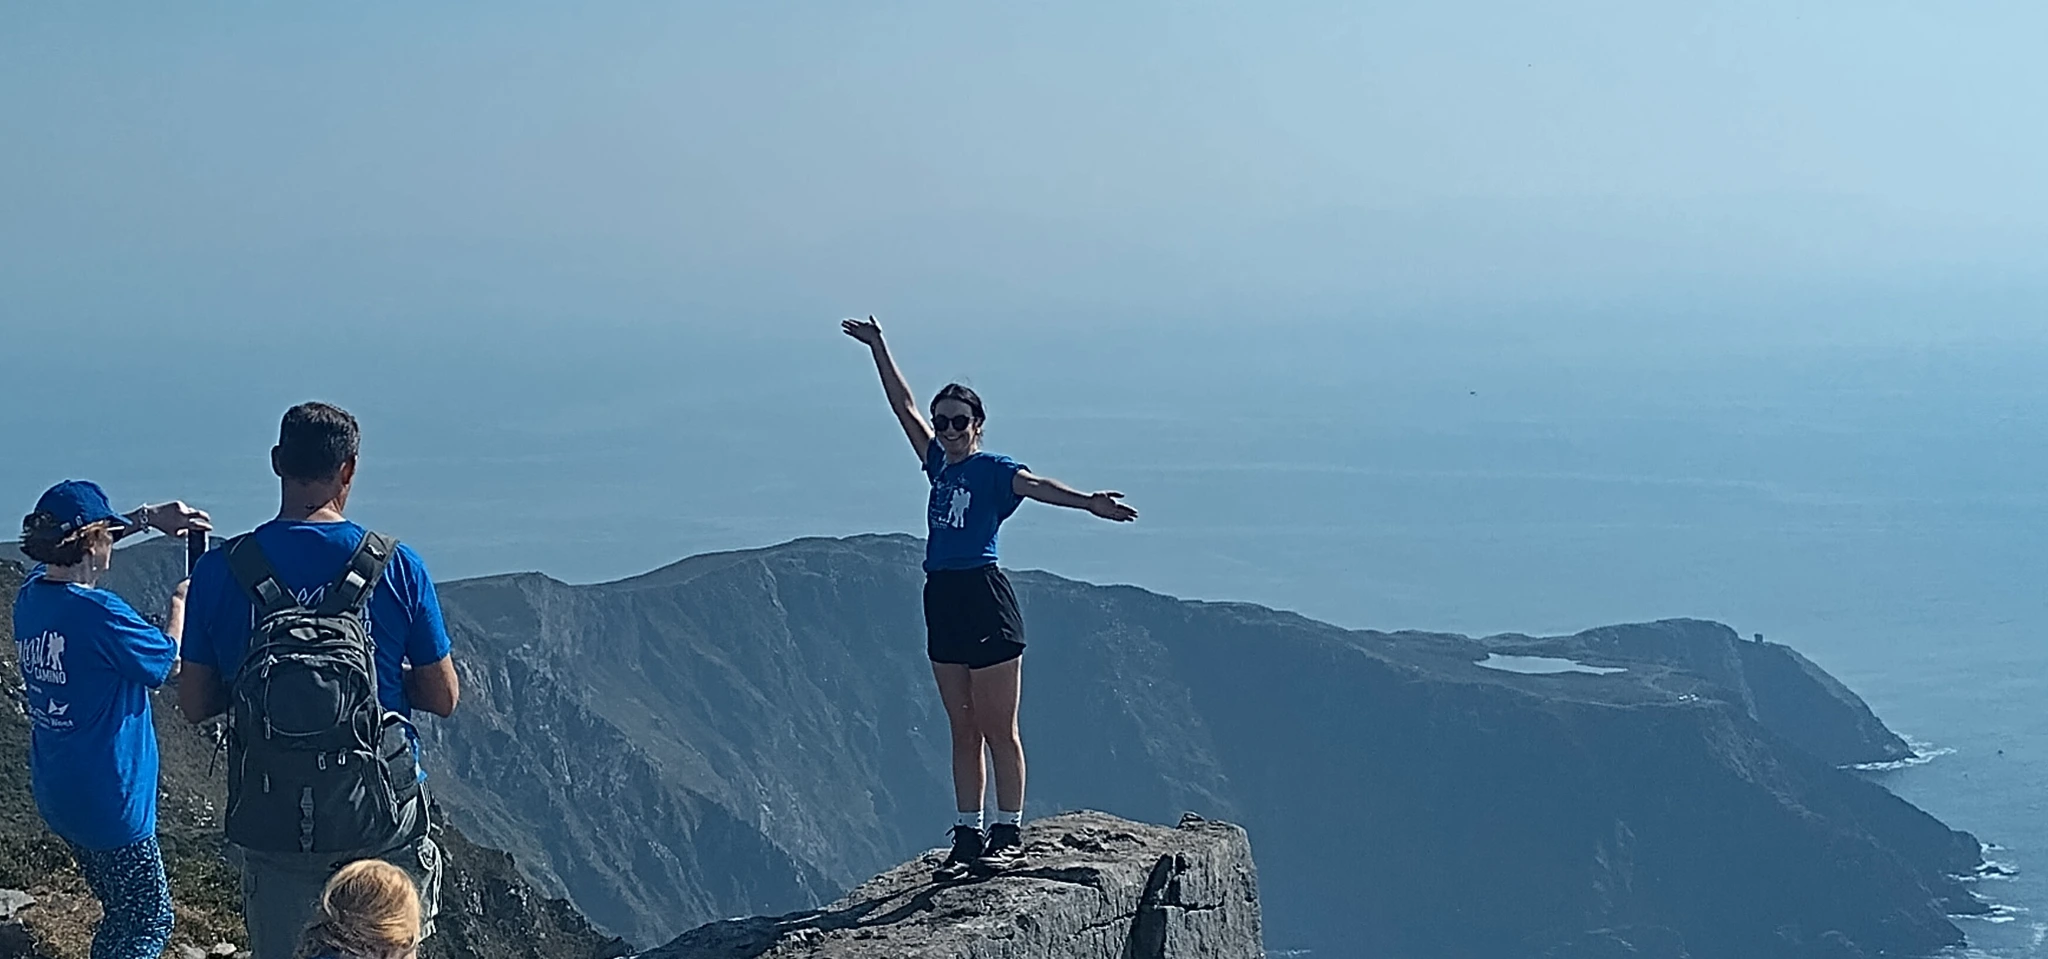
(740,164)
(578,258)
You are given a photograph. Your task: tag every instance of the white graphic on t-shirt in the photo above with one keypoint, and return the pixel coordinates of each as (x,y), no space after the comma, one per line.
(51,717)
(956,513)
(42,657)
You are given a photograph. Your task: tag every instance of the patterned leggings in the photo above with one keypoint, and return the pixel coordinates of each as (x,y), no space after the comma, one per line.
(134,896)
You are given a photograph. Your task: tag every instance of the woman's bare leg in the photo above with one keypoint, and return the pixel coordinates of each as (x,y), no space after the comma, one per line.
(996,690)
(969,778)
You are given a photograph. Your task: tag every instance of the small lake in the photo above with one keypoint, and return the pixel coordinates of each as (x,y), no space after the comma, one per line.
(1543,665)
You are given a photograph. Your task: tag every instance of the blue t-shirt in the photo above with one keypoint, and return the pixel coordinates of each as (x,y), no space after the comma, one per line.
(404,611)
(970,500)
(88,662)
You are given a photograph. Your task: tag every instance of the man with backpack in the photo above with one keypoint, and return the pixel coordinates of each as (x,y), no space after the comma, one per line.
(318,639)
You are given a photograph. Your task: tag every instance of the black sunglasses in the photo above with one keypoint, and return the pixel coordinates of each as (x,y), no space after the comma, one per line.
(951,424)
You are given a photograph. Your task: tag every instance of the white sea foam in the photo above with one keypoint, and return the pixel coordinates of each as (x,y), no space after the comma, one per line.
(1993,869)
(2000,914)
(1923,753)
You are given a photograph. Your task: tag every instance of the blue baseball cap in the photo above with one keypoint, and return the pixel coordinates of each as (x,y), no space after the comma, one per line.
(77,504)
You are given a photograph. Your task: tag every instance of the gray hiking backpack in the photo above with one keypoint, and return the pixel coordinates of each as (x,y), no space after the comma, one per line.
(316,764)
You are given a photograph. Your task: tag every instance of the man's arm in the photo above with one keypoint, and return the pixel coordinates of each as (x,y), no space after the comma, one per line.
(200,696)
(434,687)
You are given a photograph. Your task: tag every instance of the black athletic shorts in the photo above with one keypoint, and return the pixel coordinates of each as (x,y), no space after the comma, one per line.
(971,618)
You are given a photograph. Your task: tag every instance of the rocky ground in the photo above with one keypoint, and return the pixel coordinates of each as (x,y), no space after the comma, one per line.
(1092,887)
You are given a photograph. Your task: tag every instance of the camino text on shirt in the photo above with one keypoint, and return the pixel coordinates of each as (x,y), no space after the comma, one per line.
(42,657)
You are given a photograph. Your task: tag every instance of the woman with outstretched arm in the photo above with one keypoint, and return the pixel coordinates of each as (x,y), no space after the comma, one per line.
(974,633)
(88,661)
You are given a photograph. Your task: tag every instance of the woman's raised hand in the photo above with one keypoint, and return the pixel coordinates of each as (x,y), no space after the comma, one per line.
(1110,506)
(176,518)
(867,331)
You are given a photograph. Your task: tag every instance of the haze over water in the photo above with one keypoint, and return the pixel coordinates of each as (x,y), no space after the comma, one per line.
(1468,319)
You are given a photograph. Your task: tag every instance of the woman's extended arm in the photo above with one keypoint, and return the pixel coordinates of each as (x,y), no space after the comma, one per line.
(898,390)
(174,621)
(1045,489)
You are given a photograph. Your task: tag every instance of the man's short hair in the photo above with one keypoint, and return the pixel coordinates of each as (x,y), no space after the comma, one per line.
(314,441)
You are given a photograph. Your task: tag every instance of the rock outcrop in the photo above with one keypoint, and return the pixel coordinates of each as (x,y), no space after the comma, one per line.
(1093,887)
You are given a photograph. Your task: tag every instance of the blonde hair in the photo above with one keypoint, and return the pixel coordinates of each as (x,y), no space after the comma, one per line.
(369,910)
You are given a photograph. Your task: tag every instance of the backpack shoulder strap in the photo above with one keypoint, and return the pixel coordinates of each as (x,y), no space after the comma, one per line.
(257,577)
(351,590)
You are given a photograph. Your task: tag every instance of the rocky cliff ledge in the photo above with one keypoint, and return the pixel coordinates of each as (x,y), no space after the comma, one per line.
(1095,887)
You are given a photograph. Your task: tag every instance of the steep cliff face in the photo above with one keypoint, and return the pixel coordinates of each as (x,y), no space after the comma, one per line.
(492,911)
(630,831)
(1405,801)
(1097,887)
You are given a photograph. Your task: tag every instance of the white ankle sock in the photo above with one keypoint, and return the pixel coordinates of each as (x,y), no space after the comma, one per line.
(1007,818)
(969,819)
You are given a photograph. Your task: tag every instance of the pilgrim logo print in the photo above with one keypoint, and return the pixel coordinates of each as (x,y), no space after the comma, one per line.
(949,506)
(42,658)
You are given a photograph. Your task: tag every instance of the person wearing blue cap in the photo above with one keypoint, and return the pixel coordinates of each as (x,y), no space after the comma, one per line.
(88,661)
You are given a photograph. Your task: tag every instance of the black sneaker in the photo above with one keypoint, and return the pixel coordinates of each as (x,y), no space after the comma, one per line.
(1005,847)
(967,847)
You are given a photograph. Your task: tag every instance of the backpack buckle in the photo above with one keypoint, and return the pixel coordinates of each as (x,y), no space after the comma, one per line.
(306,819)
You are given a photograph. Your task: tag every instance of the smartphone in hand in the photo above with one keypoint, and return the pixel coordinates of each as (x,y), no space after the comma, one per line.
(195,547)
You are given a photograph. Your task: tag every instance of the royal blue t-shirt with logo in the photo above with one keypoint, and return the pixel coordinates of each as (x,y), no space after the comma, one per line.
(404,611)
(970,500)
(88,662)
